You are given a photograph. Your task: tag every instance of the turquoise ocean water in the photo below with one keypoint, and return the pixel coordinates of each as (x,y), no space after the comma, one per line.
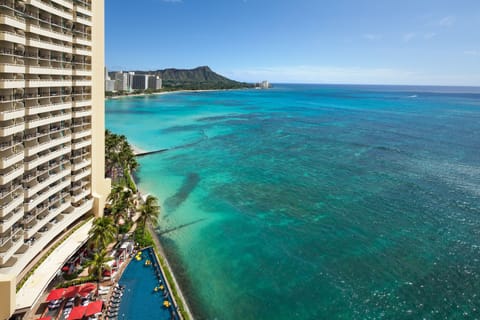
(316,202)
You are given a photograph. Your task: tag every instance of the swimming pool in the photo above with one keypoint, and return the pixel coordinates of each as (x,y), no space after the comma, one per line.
(140,299)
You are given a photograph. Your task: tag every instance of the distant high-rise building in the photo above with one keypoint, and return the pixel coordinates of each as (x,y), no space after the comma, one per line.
(154,82)
(123,81)
(265,84)
(51,130)
(140,81)
(110,85)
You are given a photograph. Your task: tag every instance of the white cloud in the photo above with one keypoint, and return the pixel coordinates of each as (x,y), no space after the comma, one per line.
(408,36)
(371,36)
(350,75)
(447,21)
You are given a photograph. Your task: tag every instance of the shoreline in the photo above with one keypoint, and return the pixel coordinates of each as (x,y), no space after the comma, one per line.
(136,149)
(169,274)
(170,92)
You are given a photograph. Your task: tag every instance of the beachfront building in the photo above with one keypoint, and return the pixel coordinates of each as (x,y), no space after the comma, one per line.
(140,81)
(110,85)
(51,133)
(123,81)
(154,83)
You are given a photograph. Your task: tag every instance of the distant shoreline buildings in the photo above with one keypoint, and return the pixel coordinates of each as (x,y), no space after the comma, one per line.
(263,85)
(130,81)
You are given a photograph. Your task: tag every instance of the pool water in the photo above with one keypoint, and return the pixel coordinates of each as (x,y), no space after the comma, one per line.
(140,301)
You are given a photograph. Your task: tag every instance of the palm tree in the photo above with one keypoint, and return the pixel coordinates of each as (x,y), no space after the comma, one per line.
(98,264)
(119,156)
(122,200)
(103,232)
(149,211)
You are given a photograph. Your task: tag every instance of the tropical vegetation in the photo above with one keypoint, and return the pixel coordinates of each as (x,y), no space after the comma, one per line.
(103,232)
(120,161)
(98,264)
(149,212)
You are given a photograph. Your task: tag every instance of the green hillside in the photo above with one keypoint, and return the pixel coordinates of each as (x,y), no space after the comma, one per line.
(200,78)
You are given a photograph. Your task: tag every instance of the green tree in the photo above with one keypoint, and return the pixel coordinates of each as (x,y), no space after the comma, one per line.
(103,232)
(149,212)
(98,264)
(122,201)
(119,157)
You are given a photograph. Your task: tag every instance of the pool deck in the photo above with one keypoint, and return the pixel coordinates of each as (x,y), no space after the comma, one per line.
(176,287)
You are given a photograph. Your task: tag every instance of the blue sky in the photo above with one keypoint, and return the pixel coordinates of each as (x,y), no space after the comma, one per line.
(307,41)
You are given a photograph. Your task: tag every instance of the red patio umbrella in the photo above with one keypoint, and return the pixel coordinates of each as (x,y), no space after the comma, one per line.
(93,308)
(55,294)
(71,292)
(86,289)
(77,313)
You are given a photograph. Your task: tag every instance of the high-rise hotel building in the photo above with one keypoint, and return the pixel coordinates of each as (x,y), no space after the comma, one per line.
(51,127)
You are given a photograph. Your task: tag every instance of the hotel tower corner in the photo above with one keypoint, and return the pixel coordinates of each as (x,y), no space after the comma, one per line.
(51,132)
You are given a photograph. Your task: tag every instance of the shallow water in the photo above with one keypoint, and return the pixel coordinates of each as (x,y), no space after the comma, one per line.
(316,202)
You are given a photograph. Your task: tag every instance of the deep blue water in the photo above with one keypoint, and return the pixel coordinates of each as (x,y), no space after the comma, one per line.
(140,300)
(316,202)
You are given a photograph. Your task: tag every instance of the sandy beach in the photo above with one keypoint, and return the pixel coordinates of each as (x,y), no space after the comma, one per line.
(167,92)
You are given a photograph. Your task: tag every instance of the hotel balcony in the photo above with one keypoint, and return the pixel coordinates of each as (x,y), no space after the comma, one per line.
(32,148)
(81,144)
(79,113)
(12,67)
(67,4)
(45,120)
(69,215)
(9,158)
(12,83)
(81,134)
(9,190)
(15,37)
(48,45)
(11,110)
(45,70)
(82,103)
(45,194)
(80,164)
(81,124)
(11,128)
(82,83)
(49,107)
(36,187)
(82,20)
(11,20)
(82,41)
(44,132)
(11,144)
(77,176)
(44,218)
(84,52)
(8,207)
(11,174)
(82,72)
(8,221)
(81,195)
(10,246)
(39,30)
(83,10)
(41,83)
(51,9)
(47,157)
